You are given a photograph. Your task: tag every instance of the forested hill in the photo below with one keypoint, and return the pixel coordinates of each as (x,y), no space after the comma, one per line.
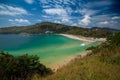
(48,27)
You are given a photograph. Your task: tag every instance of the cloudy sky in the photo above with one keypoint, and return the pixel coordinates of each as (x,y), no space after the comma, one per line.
(82,13)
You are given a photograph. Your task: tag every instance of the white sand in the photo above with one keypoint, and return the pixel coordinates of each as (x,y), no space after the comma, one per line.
(85,39)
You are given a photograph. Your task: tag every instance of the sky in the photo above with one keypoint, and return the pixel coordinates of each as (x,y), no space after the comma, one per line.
(81,13)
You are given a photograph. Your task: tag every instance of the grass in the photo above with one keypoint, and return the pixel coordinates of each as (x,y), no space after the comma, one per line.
(104,65)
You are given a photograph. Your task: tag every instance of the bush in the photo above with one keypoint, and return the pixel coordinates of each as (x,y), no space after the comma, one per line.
(111,43)
(115,39)
(21,67)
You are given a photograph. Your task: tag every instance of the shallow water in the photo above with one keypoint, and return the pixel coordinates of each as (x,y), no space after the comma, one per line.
(52,49)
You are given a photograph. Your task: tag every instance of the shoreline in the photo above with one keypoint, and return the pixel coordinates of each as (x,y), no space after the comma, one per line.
(72,58)
(80,55)
(55,68)
(82,38)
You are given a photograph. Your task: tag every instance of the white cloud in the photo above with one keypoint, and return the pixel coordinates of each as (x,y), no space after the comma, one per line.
(85,14)
(74,24)
(99,3)
(45,16)
(55,11)
(52,1)
(65,19)
(104,23)
(116,17)
(29,1)
(86,20)
(60,13)
(86,11)
(11,11)
(56,21)
(10,20)
(59,9)
(44,1)
(46,6)
(101,18)
(19,20)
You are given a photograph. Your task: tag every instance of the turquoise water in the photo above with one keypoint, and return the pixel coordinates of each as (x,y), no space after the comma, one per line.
(52,49)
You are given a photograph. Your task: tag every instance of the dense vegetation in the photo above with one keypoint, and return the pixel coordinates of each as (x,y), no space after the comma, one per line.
(47,27)
(21,67)
(102,64)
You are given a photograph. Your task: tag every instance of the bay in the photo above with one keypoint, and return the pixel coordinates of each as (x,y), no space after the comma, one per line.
(52,49)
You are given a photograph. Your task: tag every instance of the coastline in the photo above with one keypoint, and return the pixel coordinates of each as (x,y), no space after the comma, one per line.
(55,68)
(80,55)
(82,38)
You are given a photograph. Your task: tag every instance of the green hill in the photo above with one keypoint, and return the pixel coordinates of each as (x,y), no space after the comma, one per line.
(48,27)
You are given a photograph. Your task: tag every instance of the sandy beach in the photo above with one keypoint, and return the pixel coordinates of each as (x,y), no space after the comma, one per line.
(78,37)
(82,38)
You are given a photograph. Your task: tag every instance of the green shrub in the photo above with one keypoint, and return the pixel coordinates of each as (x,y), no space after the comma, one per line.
(21,67)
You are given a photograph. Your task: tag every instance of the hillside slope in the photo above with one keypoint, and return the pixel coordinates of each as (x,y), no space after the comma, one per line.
(47,27)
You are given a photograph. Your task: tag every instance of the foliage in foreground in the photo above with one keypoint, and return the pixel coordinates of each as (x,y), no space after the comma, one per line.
(103,64)
(21,67)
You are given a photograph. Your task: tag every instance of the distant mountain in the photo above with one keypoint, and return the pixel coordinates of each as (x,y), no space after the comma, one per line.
(51,28)
(105,28)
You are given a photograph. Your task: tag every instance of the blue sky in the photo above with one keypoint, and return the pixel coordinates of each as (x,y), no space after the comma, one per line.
(82,13)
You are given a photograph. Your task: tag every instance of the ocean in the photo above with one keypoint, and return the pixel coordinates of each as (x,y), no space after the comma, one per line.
(52,49)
